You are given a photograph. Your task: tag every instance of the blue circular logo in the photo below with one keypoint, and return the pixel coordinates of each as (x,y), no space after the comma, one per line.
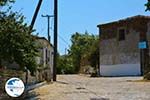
(14,87)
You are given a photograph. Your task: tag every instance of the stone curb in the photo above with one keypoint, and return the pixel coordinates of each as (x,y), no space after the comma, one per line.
(28,88)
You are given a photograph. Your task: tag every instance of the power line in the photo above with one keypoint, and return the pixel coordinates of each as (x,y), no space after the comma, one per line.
(64,40)
(51,28)
(61,38)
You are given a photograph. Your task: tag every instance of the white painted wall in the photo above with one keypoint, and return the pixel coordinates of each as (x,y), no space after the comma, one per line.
(120,70)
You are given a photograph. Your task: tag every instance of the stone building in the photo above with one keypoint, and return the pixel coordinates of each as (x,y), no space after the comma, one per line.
(119,40)
(44,69)
(45,59)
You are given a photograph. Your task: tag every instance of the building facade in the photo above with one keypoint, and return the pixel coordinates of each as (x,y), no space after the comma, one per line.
(119,40)
(45,59)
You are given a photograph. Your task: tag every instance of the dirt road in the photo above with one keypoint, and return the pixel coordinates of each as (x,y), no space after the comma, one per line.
(79,87)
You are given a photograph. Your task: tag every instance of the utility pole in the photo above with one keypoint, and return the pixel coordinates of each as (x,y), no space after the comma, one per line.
(35,14)
(48,26)
(55,39)
(65,51)
(31,27)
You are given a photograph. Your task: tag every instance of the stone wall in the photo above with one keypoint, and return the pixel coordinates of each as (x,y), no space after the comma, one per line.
(113,51)
(6,74)
(45,60)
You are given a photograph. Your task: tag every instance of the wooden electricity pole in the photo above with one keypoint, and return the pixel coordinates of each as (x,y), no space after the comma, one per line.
(48,26)
(35,14)
(55,38)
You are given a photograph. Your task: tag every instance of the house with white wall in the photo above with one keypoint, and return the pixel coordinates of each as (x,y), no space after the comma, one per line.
(120,54)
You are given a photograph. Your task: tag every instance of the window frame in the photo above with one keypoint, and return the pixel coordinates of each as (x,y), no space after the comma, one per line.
(119,35)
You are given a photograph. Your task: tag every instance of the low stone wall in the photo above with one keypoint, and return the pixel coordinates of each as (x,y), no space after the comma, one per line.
(6,74)
(43,75)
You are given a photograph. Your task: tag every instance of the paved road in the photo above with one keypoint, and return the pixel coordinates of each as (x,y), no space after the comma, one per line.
(79,87)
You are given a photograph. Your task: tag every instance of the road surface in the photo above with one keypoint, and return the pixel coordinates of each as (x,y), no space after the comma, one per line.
(81,87)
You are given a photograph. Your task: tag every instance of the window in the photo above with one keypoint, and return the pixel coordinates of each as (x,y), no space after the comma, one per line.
(121,35)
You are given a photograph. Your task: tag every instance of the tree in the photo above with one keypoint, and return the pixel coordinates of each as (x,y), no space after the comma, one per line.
(16,44)
(65,65)
(76,51)
(93,55)
(81,49)
(147,5)
(5,2)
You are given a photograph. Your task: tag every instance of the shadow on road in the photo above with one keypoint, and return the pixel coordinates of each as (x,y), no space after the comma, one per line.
(32,96)
(62,82)
(99,99)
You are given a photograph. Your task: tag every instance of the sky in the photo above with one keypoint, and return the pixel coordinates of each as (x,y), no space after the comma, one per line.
(78,15)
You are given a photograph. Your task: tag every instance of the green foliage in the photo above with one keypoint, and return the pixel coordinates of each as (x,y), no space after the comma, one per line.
(4,2)
(84,47)
(16,42)
(94,56)
(147,5)
(94,53)
(65,65)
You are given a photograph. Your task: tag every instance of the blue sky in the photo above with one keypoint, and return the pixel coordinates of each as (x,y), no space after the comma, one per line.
(79,15)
